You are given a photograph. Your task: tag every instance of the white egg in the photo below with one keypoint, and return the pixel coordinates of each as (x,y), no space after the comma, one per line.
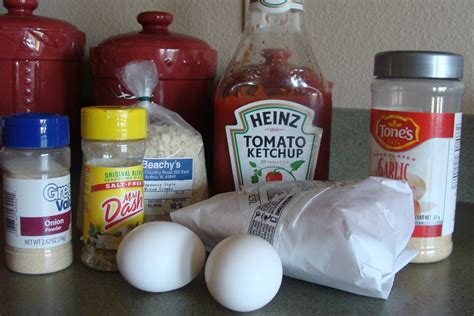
(160,256)
(243,272)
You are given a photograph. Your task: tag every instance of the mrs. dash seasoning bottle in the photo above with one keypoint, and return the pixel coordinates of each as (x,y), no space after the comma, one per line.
(37,192)
(415,128)
(113,145)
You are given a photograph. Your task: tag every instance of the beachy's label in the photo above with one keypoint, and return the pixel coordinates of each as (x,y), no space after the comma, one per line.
(37,212)
(273,140)
(422,149)
(113,204)
(168,184)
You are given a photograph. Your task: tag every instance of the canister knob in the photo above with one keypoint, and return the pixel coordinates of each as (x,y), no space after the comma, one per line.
(155,22)
(20,7)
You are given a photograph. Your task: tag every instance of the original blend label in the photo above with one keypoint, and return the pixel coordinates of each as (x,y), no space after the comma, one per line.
(273,140)
(113,204)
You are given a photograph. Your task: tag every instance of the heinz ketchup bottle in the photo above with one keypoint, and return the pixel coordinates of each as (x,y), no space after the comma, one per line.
(272,106)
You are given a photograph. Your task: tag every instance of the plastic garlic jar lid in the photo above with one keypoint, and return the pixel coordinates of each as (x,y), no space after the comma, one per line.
(419,64)
(114,123)
(35,130)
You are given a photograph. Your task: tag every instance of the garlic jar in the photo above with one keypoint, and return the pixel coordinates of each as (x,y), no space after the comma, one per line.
(113,146)
(37,193)
(415,129)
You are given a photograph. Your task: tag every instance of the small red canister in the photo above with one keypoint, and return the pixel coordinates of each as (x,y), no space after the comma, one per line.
(186,67)
(40,62)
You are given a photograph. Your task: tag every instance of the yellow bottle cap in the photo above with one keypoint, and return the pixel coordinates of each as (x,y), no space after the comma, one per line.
(113,123)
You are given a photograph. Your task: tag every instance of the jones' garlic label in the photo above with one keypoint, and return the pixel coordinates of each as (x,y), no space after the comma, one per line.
(422,149)
(273,140)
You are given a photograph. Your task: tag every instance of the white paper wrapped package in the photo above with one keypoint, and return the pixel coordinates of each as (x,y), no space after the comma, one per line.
(347,235)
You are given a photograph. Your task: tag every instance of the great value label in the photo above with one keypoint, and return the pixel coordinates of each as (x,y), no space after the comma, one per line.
(274,140)
(37,212)
(113,204)
(422,149)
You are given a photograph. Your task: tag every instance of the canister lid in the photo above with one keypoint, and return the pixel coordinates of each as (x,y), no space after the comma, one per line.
(419,64)
(176,56)
(28,36)
(117,123)
(35,130)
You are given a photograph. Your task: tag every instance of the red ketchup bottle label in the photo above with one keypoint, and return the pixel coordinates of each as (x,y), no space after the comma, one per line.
(422,149)
(274,140)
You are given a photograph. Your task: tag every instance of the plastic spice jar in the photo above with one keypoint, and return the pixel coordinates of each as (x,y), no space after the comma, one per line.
(415,128)
(113,145)
(37,193)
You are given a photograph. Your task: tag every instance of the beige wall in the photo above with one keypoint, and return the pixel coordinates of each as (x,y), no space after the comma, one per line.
(345,34)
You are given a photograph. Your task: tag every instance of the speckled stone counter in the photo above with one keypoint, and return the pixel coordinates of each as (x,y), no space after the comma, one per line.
(445,287)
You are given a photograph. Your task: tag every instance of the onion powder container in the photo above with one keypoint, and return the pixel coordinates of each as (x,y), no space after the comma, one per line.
(415,135)
(37,193)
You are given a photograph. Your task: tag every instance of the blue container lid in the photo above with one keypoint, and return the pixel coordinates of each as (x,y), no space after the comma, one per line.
(35,130)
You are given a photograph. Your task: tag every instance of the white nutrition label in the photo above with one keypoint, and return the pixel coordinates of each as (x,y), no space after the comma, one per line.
(266,216)
(168,184)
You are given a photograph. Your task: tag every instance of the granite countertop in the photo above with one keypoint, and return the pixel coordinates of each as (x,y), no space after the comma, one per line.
(445,287)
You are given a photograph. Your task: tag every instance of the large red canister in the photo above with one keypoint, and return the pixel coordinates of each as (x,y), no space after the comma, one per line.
(186,68)
(40,60)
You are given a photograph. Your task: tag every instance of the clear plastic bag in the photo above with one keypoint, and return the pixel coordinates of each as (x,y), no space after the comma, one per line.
(174,164)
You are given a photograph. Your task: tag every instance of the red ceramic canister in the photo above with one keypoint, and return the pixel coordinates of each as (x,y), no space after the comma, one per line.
(40,60)
(186,67)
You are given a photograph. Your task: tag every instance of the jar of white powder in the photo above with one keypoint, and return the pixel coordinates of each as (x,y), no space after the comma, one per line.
(416,136)
(37,193)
